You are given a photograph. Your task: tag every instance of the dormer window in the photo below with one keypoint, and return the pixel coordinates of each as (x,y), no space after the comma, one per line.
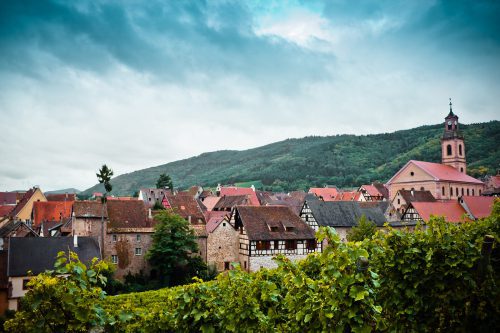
(273,229)
(289,228)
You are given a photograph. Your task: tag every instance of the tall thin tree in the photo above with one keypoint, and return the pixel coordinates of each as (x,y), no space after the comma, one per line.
(104,177)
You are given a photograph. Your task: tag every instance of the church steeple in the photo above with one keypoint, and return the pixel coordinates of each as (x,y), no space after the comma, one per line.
(452,143)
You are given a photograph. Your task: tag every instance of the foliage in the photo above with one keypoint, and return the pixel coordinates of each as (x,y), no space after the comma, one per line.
(65,299)
(173,242)
(364,229)
(425,281)
(341,160)
(164,181)
(104,177)
(434,279)
(158,206)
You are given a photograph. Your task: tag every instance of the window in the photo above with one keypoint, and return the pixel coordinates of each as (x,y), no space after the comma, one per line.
(412,174)
(227,265)
(472,191)
(399,201)
(289,228)
(456,191)
(311,244)
(245,264)
(422,188)
(276,245)
(224,224)
(138,238)
(462,191)
(263,245)
(114,259)
(462,170)
(460,150)
(115,238)
(442,191)
(25,284)
(290,244)
(448,150)
(479,192)
(138,251)
(467,191)
(274,229)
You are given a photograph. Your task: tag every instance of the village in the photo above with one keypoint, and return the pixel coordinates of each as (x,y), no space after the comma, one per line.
(232,225)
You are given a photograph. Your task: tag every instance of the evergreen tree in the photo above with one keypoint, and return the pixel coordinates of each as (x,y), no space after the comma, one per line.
(173,243)
(364,229)
(164,181)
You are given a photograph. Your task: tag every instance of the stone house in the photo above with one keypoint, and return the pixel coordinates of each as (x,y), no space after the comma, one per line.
(222,242)
(150,196)
(266,231)
(128,236)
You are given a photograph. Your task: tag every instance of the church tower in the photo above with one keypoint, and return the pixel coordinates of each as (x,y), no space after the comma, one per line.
(452,143)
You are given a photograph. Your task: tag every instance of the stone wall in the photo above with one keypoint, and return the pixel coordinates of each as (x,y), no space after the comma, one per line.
(256,263)
(222,245)
(124,246)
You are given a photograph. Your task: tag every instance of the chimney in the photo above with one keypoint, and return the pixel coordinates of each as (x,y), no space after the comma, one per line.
(75,241)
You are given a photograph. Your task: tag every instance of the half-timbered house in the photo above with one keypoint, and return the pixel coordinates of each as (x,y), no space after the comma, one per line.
(266,231)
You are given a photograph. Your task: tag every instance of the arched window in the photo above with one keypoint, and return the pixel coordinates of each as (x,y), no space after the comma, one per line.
(456,191)
(448,150)
(451,191)
(460,150)
(442,191)
(461,170)
(462,191)
(479,192)
(467,191)
(472,191)
(422,188)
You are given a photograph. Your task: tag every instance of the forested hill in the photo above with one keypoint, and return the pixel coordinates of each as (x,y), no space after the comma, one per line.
(341,160)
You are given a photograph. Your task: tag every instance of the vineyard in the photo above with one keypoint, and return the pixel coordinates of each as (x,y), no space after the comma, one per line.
(441,278)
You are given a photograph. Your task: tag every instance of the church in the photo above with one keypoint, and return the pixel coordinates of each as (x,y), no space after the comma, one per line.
(446,180)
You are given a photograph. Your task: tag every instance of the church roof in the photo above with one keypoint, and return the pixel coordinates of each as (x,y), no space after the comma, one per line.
(440,172)
(479,207)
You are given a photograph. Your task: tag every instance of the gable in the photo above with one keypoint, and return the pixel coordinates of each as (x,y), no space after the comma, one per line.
(411,173)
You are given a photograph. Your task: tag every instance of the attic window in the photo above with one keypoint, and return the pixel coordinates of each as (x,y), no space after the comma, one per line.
(412,173)
(289,228)
(273,229)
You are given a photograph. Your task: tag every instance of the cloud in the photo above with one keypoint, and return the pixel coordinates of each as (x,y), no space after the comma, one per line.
(139,84)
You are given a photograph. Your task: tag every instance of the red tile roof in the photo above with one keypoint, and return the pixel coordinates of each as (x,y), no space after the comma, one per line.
(121,198)
(232,191)
(210,202)
(128,214)
(441,172)
(347,196)
(214,219)
(51,211)
(187,207)
(87,209)
(61,197)
(479,207)
(5,210)
(416,196)
(372,191)
(8,198)
(452,211)
(327,193)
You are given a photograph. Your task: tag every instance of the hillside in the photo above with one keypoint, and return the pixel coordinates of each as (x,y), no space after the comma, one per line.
(63,191)
(341,160)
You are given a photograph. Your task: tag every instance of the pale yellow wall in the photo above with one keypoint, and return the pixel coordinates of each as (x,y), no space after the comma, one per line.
(25,213)
(17,291)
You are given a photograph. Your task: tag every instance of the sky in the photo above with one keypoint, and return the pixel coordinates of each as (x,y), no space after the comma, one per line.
(135,84)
